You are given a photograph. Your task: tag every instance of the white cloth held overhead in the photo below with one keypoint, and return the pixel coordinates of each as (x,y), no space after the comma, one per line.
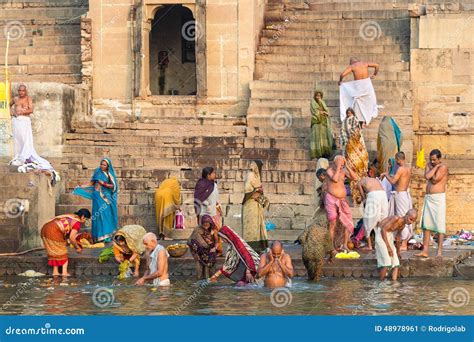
(23,144)
(360,95)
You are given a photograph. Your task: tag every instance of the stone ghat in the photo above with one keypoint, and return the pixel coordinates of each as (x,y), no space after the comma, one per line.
(454,263)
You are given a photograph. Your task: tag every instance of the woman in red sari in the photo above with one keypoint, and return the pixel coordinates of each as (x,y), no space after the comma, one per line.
(55,235)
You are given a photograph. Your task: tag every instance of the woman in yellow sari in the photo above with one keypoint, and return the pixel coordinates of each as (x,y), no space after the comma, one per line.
(253,220)
(167,201)
(321,142)
(357,157)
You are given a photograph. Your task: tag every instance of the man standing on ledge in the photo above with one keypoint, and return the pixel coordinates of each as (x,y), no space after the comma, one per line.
(359,93)
(400,201)
(433,217)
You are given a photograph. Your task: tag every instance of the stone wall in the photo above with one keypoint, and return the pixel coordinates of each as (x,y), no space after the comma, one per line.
(231,31)
(442,72)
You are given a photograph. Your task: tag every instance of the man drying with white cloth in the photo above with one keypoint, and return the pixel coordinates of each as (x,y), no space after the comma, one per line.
(400,201)
(375,205)
(21,109)
(359,94)
(433,217)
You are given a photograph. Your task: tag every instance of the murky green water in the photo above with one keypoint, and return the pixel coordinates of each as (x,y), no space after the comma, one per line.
(106,295)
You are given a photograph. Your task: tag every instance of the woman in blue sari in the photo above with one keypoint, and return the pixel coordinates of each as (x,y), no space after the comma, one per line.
(103,191)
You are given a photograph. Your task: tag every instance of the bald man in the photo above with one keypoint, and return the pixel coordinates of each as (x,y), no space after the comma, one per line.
(276,267)
(157,262)
(387,254)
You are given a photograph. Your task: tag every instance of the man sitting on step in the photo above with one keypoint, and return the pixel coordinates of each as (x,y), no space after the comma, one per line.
(359,93)
(335,201)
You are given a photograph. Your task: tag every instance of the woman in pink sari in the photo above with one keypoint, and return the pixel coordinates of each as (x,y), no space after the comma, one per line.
(241,261)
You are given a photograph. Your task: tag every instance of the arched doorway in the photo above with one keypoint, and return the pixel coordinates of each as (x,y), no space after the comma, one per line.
(173,51)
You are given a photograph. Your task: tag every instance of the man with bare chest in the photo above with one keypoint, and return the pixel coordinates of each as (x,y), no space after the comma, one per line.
(276,267)
(375,205)
(433,218)
(21,109)
(388,255)
(400,201)
(335,201)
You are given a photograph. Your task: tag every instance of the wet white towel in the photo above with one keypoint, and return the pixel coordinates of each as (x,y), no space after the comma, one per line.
(381,250)
(360,95)
(23,144)
(375,210)
(433,217)
(400,203)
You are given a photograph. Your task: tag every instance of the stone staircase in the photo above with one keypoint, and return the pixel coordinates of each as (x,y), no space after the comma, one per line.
(304,47)
(167,140)
(45,39)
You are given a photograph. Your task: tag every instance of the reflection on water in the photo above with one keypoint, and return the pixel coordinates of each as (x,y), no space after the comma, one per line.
(106,295)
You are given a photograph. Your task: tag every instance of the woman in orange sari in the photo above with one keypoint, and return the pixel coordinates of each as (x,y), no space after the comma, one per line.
(55,235)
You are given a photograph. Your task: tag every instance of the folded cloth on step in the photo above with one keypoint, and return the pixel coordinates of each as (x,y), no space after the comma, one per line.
(360,95)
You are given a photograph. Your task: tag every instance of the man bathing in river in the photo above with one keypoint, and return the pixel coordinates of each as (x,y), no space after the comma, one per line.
(433,218)
(375,205)
(157,262)
(388,256)
(335,201)
(400,201)
(276,267)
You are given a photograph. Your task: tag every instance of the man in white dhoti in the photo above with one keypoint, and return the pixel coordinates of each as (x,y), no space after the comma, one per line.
(400,201)
(21,109)
(388,255)
(375,207)
(433,217)
(358,94)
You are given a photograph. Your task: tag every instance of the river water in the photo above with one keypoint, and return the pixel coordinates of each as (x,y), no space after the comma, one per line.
(332,296)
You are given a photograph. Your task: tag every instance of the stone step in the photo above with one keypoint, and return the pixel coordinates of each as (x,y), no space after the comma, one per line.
(153,120)
(58,78)
(83,175)
(342,33)
(336,25)
(302,50)
(177,163)
(108,125)
(338,6)
(54,50)
(336,15)
(308,77)
(337,57)
(42,3)
(51,59)
(327,84)
(270,66)
(131,137)
(65,13)
(54,69)
(307,94)
(336,41)
(59,40)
